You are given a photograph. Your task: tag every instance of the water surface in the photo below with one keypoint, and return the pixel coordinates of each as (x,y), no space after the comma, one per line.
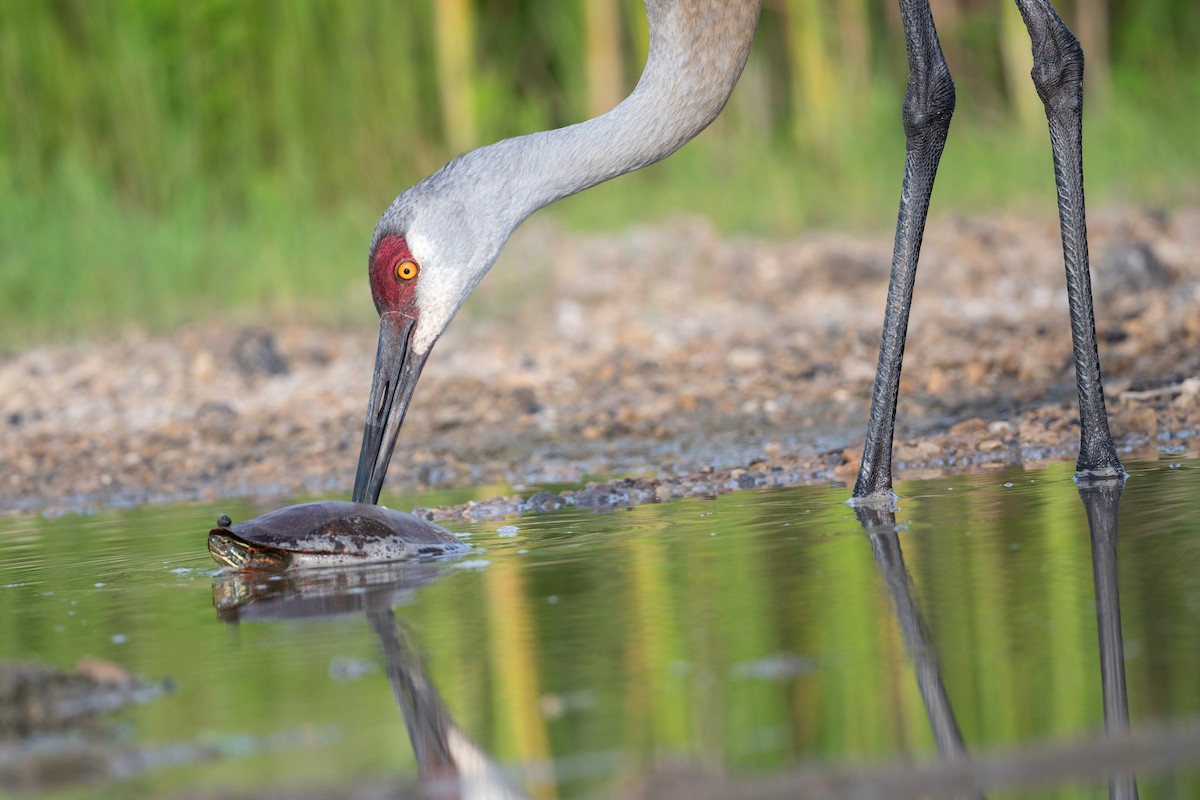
(759,632)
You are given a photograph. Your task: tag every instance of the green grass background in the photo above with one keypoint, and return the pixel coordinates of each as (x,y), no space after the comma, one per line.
(164,162)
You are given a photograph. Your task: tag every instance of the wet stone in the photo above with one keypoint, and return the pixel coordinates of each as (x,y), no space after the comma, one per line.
(747,481)
(543,501)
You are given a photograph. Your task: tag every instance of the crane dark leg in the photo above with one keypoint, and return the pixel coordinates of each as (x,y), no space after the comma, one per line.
(1058,76)
(928,106)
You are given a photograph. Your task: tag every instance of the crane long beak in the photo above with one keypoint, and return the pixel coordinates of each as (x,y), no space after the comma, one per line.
(397,368)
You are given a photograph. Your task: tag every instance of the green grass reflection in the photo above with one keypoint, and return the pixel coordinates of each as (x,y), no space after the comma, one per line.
(754,631)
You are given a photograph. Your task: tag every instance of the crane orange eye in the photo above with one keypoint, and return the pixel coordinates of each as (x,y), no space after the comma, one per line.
(407,270)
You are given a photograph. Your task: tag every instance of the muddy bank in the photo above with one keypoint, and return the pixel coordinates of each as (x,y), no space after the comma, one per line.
(696,362)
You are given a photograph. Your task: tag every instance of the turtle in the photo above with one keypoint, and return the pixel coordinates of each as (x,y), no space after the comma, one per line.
(328,534)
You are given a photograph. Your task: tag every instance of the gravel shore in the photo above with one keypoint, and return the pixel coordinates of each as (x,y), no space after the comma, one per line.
(697,363)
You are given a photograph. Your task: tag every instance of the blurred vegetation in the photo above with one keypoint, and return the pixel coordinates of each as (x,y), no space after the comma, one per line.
(159,159)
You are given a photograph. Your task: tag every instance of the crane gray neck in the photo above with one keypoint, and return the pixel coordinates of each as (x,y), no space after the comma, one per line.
(457,220)
(697,51)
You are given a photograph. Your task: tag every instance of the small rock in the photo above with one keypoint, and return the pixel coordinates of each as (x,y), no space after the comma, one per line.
(204,367)
(542,501)
(1130,268)
(745,359)
(255,354)
(938,382)
(216,421)
(746,481)
(1141,422)
(1189,394)
(969,427)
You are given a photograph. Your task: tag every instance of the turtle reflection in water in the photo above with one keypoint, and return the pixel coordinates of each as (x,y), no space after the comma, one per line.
(328,534)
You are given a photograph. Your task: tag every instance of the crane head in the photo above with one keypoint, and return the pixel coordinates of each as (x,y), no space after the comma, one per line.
(395,275)
(430,249)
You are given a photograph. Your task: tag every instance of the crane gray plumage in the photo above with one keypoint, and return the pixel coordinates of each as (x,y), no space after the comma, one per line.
(454,223)
(463,214)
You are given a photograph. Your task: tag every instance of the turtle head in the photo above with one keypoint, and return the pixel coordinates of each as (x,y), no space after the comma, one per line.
(232,551)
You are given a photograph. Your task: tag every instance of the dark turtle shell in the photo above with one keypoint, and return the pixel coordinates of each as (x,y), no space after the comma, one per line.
(329,533)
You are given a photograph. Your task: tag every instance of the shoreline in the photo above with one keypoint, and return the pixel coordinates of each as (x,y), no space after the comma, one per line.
(699,362)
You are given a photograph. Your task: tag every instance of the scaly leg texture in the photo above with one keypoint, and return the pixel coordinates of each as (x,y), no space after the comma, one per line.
(1058,76)
(928,106)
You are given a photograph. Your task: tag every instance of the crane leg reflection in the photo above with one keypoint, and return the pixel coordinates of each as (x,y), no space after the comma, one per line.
(1102,500)
(880,526)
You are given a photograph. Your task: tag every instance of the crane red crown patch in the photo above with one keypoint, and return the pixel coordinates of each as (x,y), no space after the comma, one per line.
(391,292)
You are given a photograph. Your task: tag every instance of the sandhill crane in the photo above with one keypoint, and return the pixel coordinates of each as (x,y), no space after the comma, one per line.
(438,239)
